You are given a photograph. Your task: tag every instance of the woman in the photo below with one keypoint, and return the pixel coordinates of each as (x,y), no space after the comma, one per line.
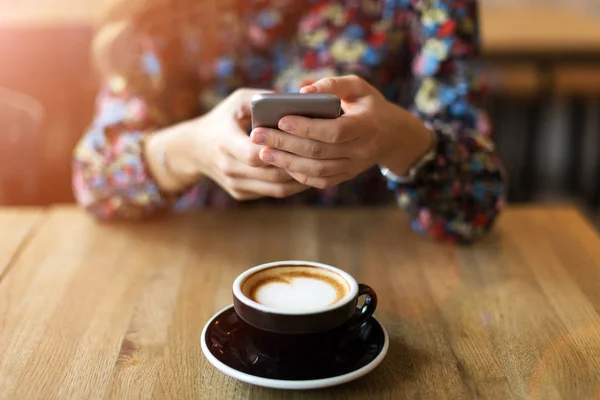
(170,129)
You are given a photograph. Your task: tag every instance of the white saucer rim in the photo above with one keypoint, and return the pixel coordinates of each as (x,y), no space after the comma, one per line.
(286,384)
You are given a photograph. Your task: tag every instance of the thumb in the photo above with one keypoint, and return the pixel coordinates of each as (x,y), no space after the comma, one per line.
(242,101)
(347,88)
(243,112)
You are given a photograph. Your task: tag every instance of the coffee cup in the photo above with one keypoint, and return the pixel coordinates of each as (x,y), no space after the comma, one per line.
(304,309)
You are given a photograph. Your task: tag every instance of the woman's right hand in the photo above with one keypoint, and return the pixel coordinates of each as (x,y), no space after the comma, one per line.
(217,146)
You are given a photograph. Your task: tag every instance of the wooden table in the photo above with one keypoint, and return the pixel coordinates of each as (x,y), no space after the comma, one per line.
(91,310)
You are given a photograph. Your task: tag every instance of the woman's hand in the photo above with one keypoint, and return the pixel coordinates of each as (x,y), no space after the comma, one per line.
(325,152)
(216,145)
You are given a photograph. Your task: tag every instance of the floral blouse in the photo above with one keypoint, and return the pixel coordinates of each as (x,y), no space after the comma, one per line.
(421,54)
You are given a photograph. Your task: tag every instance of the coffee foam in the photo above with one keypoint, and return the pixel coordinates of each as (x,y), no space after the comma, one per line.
(295,288)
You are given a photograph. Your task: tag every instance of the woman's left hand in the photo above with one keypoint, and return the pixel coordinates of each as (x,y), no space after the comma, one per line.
(325,152)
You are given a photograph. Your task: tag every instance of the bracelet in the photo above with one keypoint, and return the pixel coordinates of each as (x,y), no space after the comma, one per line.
(412,172)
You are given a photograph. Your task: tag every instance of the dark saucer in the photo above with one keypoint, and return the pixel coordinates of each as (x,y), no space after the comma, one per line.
(227,347)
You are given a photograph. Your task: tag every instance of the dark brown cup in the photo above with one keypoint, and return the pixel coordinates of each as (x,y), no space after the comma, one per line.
(289,334)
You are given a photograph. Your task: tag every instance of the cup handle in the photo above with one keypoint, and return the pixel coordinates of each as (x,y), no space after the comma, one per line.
(364,312)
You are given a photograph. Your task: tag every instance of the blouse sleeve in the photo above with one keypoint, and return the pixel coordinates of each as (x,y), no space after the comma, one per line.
(110,176)
(458,194)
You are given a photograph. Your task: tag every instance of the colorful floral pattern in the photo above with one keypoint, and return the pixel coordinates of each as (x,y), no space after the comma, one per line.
(419,53)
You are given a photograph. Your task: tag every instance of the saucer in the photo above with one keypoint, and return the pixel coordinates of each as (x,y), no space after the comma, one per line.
(226,346)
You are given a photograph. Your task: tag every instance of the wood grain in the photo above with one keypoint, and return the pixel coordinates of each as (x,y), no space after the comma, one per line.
(115,310)
(16,225)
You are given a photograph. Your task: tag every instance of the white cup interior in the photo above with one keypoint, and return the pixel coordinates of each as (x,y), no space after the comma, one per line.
(239,282)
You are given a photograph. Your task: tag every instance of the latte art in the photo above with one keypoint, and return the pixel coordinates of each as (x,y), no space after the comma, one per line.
(296,288)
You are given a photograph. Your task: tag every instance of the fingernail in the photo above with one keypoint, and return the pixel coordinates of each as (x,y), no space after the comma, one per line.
(267,156)
(308,89)
(286,125)
(258,137)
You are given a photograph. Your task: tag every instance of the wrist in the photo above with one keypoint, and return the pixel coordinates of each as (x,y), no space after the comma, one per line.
(169,159)
(408,141)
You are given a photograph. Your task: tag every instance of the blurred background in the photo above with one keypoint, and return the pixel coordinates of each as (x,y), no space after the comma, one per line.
(542,59)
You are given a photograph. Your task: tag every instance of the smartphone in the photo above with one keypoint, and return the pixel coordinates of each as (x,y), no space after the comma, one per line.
(269,108)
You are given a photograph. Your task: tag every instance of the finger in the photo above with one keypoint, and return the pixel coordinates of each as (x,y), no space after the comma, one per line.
(269,189)
(347,88)
(246,94)
(310,167)
(233,168)
(241,148)
(320,182)
(340,130)
(268,174)
(243,113)
(297,145)
(241,195)
(243,99)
